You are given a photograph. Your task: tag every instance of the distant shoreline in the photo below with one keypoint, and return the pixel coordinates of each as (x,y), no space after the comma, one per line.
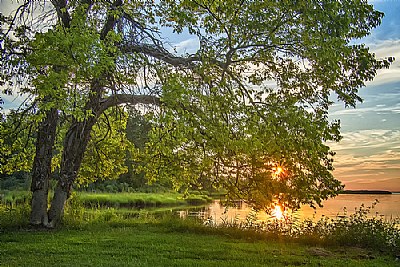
(369,192)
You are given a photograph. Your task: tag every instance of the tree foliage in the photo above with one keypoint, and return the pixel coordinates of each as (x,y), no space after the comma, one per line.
(252,100)
(108,150)
(17,138)
(104,158)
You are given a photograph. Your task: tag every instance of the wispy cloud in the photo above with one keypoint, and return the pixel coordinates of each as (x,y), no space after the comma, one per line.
(189,46)
(369,159)
(385,49)
(385,140)
(378,109)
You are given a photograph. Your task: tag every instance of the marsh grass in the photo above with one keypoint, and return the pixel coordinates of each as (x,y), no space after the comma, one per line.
(14,198)
(356,230)
(140,200)
(359,229)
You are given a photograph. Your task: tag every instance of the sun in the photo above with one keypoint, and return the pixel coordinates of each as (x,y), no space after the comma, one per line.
(277,212)
(278,170)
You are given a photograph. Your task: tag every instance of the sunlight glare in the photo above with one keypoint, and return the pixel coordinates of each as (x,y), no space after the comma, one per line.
(278,170)
(277,212)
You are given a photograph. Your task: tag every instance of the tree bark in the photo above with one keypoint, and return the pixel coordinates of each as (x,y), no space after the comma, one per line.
(41,169)
(57,205)
(75,143)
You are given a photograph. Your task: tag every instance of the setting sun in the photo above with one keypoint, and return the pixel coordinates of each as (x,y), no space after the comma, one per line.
(277,212)
(278,170)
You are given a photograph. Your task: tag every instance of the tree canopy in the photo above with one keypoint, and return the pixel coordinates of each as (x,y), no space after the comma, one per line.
(247,111)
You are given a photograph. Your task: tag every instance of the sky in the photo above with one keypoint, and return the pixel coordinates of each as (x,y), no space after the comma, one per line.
(368,157)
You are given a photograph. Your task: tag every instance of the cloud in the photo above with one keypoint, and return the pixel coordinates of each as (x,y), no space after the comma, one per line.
(379,109)
(189,46)
(369,159)
(385,49)
(379,140)
(12,101)
(7,6)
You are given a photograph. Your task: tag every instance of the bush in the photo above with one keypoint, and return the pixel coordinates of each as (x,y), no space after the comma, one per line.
(16,181)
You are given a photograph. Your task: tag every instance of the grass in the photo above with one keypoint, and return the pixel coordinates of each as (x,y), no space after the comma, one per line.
(107,237)
(139,200)
(170,242)
(14,197)
(117,200)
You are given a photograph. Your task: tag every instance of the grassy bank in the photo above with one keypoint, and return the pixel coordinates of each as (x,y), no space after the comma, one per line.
(168,243)
(139,200)
(117,200)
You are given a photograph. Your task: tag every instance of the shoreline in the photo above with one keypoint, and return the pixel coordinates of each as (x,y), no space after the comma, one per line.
(366,192)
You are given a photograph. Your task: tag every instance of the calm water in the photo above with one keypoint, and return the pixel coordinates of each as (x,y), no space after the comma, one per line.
(388,207)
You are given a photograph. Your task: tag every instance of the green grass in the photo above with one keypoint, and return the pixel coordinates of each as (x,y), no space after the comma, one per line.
(139,200)
(117,200)
(167,243)
(109,237)
(14,197)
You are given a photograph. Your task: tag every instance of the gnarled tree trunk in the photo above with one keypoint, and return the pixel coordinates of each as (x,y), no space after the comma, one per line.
(41,170)
(75,143)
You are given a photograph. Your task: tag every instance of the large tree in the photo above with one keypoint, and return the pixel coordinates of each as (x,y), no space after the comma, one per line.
(247,111)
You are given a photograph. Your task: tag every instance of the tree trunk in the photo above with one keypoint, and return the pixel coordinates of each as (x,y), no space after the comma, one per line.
(41,169)
(57,205)
(75,144)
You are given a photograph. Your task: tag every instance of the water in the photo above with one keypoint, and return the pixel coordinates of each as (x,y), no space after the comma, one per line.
(388,208)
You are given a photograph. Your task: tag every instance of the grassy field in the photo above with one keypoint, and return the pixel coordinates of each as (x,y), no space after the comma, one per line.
(168,243)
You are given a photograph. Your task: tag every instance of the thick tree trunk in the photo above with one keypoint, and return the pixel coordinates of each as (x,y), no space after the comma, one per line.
(57,205)
(75,144)
(39,207)
(41,169)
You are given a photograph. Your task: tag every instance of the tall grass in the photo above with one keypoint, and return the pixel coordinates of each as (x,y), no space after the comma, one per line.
(14,209)
(139,200)
(14,198)
(359,230)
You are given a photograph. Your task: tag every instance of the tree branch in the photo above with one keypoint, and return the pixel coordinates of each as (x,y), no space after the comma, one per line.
(160,54)
(62,13)
(111,19)
(118,99)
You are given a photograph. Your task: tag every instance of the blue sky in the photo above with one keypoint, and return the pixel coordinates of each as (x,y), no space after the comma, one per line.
(368,157)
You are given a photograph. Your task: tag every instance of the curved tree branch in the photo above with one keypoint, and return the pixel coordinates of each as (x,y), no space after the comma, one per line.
(118,99)
(160,54)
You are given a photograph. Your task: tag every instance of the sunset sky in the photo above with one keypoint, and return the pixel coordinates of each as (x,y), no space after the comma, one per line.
(368,157)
